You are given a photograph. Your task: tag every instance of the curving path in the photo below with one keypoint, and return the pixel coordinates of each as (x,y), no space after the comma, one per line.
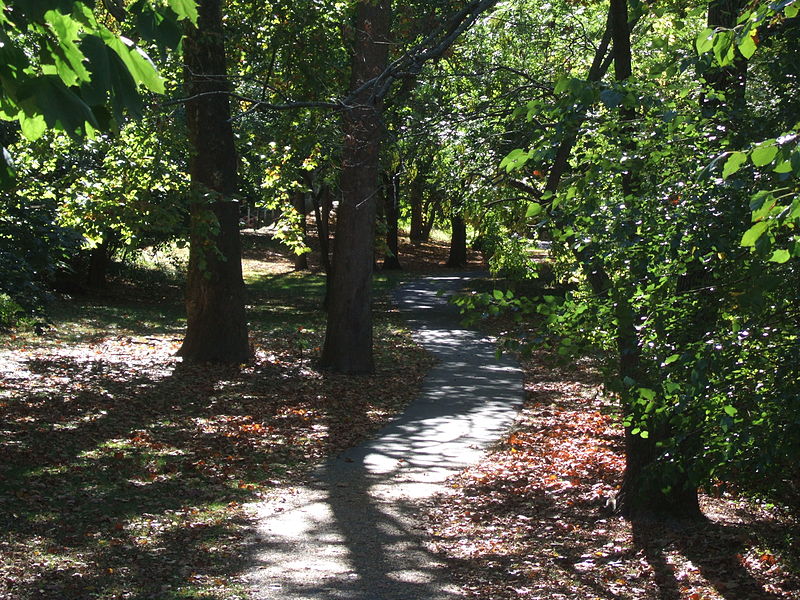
(352,532)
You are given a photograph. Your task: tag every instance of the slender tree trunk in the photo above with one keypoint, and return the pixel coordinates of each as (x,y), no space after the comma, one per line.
(299,204)
(646,487)
(731,81)
(348,336)
(429,218)
(417,202)
(392,210)
(322,215)
(216,320)
(100,260)
(458,242)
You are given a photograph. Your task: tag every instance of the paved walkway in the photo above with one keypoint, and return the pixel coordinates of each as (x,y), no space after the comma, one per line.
(352,534)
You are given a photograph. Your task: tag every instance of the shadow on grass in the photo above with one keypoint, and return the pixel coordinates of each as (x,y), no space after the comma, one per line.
(123,475)
(110,487)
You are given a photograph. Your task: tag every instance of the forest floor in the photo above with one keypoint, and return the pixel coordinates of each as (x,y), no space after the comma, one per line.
(123,474)
(530,520)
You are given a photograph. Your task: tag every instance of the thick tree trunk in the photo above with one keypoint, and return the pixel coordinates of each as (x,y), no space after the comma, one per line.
(458,242)
(647,487)
(348,336)
(216,320)
(392,210)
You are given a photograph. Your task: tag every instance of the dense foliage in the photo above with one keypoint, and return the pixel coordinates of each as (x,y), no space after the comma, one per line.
(666,197)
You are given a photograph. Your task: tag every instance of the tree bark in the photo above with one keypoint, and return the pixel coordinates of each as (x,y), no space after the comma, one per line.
(299,204)
(646,487)
(322,216)
(392,210)
(417,202)
(458,242)
(216,321)
(732,79)
(100,260)
(348,336)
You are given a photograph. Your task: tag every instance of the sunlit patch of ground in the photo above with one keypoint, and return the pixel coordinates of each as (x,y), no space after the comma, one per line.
(530,520)
(124,472)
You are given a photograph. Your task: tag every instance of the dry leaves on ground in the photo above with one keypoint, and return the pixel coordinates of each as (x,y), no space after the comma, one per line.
(530,520)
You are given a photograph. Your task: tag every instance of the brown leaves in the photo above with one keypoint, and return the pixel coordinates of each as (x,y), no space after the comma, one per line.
(529,521)
(123,474)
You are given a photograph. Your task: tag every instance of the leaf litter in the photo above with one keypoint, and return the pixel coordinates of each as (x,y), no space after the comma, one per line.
(530,521)
(124,472)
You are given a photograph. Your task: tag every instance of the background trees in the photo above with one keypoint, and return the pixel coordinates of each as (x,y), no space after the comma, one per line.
(649,219)
(665,188)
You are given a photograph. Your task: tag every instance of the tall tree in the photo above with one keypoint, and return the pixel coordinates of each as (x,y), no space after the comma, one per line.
(391,200)
(348,337)
(216,320)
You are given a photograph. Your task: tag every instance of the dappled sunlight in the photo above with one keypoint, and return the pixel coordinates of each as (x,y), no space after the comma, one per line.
(352,532)
(530,520)
(124,470)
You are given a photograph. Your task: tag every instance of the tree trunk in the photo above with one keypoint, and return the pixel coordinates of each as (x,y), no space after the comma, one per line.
(458,242)
(429,218)
(299,204)
(732,79)
(348,336)
(417,202)
(392,210)
(100,260)
(647,488)
(322,216)
(216,321)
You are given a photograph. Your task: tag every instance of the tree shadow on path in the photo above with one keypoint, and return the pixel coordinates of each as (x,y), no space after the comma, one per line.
(353,532)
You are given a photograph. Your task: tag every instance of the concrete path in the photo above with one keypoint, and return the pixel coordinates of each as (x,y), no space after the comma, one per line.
(352,532)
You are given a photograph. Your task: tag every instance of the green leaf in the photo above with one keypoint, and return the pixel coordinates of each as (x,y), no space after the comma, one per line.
(747,46)
(111,78)
(730,410)
(723,48)
(562,85)
(534,209)
(152,26)
(33,126)
(514,160)
(764,153)
(644,434)
(61,107)
(751,235)
(498,295)
(704,41)
(647,393)
(185,9)
(67,58)
(791,11)
(136,61)
(733,164)
(780,256)
(611,98)
(671,359)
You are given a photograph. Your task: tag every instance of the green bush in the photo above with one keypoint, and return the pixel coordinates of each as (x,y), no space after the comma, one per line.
(10,311)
